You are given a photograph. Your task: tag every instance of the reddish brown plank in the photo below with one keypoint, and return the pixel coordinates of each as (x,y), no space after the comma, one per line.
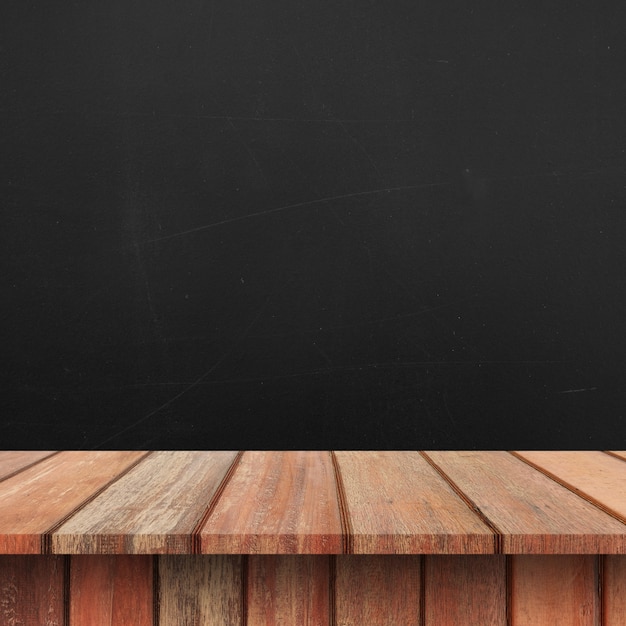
(31,590)
(292,589)
(201,590)
(596,476)
(557,590)
(111,590)
(277,502)
(462,589)
(397,503)
(534,514)
(153,509)
(34,500)
(377,590)
(12,462)
(614,591)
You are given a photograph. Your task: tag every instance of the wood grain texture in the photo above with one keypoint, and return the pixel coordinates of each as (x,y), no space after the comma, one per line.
(153,509)
(558,590)
(200,590)
(111,590)
(465,589)
(288,589)
(614,590)
(279,503)
(14,461)
(596,476)
(397,503)
(35,500)
(534,514)
(377,590)
(31,590)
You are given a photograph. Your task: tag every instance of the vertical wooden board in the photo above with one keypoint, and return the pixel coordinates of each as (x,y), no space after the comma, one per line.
(465,589)
(200,590)
(377,590)
(287,590)
(31,590)
(111,590)
(277,503)
(38,498)
(14,461)
(614,591)
(560,590)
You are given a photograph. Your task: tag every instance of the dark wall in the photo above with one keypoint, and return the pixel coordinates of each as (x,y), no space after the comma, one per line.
(290,224)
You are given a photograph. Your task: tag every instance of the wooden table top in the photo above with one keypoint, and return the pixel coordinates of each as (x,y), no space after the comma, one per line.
(132,502)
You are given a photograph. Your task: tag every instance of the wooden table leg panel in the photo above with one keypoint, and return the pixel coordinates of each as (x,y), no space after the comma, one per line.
(465,589)
(200,590)
(378,590)
(111,590)
(560,590)
(286,590)
(32,590)
(614,590)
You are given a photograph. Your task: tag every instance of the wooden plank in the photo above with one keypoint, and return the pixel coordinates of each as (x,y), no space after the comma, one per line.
(153,509)
(200,590)
(35,500)
(31,590)
(111,590)
(468,590)
(614,590)
(534,514)
(557,590)
(596,476)
(277,502)
(285,590)
(397,503)
(377,590)
(12,462)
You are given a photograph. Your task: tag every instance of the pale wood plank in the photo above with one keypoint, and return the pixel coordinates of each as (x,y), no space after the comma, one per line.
(594,475)
(111,590)
(397,503)
(557,590)
(614,590)
(465,589)
(277,502)
(534,514)
(153,509)
(38,498)
(377,590)
(31,590)
(12,462)
(200,590)
(288,590)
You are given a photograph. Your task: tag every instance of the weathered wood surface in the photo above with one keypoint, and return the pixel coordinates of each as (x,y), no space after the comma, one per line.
(465,589)
(596,476)
(151,510)
(33,501)
(313,503)
(556,590)
(278,503)
(31,590)
(397,503)
(532,513)
(201,590)
(377,590)
(111,590)
(288,589)
(15,461)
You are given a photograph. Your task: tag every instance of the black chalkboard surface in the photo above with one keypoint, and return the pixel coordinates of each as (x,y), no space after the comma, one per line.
(294,224)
